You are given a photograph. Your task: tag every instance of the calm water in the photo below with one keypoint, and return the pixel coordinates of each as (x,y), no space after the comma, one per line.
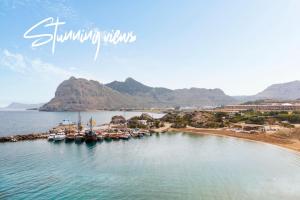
(25,122)
(169,166)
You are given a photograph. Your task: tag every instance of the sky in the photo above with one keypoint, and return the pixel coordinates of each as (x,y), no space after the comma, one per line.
(239,46)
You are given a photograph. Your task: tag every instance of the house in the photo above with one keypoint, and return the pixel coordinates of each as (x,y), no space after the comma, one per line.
(251,128)
(143,122)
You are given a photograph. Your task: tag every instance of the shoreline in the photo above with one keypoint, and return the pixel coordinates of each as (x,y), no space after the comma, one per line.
(286,143)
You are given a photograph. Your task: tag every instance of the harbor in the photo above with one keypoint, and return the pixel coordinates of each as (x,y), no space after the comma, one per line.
(117,129)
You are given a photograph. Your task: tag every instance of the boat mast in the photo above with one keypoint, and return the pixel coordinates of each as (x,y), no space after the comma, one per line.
(91,124)
(79,122)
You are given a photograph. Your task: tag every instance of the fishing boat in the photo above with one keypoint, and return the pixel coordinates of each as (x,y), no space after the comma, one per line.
(90,135)
(70,138)
(107,137)
(124,136)
(114,136)
(135,133)
(59,137)
(79,138)
(100,137)
(145,132)
(51,137)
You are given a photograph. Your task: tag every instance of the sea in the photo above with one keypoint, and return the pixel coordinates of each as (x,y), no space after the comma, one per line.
(162,166)
(13,122)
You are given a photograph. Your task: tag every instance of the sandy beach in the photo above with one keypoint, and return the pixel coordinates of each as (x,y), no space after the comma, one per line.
(292,144)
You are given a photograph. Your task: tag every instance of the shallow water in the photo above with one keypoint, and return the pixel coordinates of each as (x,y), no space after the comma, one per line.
(169,166)
(25,122)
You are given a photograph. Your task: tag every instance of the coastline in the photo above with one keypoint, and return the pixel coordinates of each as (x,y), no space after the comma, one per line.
(286,143)
(290,144)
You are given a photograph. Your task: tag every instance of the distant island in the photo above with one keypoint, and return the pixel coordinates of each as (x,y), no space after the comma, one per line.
(22,106)
(78,94)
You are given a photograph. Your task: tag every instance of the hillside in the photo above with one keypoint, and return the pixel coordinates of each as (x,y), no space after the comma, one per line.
(81,94)
(163,97)
(286,91)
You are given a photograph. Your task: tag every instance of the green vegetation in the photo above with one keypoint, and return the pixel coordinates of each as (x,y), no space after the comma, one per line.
(144,121)
(202,119)
(198,119)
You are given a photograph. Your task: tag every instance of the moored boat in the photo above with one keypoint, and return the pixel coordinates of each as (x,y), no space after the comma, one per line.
(51,137)
(100,137)
(90,135)
(79,138)
(70,138)
(107,137)
(59,137)
(114,136)
(145,133)
(124,136)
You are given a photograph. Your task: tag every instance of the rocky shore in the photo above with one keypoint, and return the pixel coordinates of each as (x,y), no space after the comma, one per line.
(16,138)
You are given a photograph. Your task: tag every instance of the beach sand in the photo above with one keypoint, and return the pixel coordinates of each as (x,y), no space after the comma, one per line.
(289,143)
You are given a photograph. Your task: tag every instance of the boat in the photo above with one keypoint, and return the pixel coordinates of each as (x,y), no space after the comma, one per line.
(59,137)
(140,135)
(51,137)
(124,136)
(79,138)
(145,133)
(107,137)
(90,135)
(114,136)
(70,138)
(135,133)
(100,137)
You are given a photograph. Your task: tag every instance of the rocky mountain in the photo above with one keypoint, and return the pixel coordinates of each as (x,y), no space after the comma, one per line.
(282,91)
(81,94)
(163,97)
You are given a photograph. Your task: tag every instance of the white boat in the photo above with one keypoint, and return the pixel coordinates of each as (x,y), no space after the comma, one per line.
(51,137)
(59,137)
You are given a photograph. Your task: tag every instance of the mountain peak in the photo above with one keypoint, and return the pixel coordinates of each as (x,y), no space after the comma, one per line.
(72,78)
(129,79)
(287,91)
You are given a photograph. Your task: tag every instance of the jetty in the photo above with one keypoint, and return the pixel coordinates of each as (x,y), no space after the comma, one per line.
(117,129)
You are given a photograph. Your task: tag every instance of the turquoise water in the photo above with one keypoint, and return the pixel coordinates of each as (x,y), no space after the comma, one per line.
(169,166)
(25,122)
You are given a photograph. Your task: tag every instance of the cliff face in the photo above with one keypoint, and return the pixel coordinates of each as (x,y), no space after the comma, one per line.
(81,94)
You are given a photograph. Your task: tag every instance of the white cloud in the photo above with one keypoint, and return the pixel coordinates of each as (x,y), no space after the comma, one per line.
(21,64)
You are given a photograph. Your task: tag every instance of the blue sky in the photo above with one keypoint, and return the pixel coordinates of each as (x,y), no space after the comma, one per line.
(238,46)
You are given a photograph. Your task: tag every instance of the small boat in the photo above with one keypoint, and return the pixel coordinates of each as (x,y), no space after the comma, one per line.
(107,137)
(70,138)
(135,133)
(51,137)
(140,134)
(90,135)
(79,138)
(59,137)
(114,136)
(100,137)
(146,133)
(125,136)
